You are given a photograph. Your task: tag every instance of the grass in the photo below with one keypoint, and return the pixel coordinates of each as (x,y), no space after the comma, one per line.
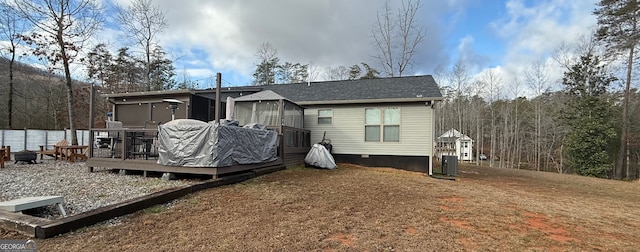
(156,209)
(380,209)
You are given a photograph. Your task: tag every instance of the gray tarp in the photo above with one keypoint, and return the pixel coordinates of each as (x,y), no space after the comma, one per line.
(193,143)
(320,157)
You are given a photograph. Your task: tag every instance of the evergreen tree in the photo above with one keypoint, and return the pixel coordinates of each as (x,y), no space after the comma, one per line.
(354,72)
(588,115)
(265,73)
(126,73)
(98,62)
(292,73)
(618,22)
(370,72)
(162,71)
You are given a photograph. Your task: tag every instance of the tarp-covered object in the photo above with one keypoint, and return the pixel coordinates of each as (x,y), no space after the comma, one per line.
(193,143)
(320,157)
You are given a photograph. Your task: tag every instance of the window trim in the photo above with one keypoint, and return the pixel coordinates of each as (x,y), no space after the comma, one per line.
(324,117)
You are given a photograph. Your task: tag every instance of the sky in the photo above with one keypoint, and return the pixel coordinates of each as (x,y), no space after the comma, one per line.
(204,37)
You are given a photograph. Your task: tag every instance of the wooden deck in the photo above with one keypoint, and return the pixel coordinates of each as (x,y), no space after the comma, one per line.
(152,165)
(137,149)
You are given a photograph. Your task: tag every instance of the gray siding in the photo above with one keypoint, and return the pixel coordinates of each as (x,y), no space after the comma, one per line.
(347,130)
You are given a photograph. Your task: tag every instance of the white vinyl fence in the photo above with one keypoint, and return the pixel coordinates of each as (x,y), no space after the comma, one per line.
(31,139)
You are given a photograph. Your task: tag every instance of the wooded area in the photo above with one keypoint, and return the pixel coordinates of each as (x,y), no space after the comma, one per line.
(40,102)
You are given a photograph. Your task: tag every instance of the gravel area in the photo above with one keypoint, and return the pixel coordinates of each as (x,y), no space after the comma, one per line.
(82,191)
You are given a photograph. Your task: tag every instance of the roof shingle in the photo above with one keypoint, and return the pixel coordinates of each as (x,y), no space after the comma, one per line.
(367,89)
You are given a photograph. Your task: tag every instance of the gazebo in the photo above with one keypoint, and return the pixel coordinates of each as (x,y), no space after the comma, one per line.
(278,113)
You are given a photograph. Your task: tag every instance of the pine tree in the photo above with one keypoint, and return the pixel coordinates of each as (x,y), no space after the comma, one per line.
(618,28)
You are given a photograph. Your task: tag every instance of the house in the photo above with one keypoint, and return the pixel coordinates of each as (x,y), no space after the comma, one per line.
(373,122)
(454,143)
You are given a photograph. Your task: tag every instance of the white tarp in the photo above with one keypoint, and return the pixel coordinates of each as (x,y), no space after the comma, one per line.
(320,157)
(193,143)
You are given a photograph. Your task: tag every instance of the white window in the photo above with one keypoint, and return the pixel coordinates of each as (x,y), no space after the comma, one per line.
(325,116)
(382,125)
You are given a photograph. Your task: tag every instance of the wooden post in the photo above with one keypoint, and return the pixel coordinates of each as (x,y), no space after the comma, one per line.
(7,153)
(92,115)
(92,106)
(218,86)
(2,157)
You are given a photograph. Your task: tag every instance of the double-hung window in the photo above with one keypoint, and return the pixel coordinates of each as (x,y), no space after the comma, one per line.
(325,116)
(382,125)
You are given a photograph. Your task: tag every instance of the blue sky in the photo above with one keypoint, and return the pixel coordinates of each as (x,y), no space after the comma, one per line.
(209,36)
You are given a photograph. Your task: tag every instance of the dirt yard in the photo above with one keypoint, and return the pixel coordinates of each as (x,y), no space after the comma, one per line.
(378,209)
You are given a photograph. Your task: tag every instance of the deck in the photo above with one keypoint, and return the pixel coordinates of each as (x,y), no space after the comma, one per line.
(137,149)
(151,165)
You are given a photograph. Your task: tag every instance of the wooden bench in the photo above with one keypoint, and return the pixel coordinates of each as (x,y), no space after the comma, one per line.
(53,152)
(18,205)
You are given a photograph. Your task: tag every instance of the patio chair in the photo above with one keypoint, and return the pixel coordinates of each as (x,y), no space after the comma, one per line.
(82,155)
(53,152)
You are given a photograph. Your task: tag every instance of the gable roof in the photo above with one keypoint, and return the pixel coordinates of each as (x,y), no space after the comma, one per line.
(454,134)
(396,89)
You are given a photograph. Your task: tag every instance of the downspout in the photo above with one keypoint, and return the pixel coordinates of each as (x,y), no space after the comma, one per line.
(431,142)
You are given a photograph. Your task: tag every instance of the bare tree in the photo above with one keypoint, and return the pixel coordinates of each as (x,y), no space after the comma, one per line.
(538,80)
(62,29)
(492,81)
(143,21)
(265,72)
(314,72)
(477,107)
(459,80)
(338,73)
(396,37)
(11,26)
(568,54)
(515,129)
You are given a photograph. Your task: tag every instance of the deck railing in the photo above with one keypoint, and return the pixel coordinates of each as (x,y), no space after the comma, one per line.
(143,143)
(124,143)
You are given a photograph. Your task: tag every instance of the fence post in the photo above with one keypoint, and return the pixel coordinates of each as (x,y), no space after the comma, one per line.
(25,138)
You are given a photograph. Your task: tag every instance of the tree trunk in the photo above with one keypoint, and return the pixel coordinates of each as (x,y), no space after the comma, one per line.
(147,74)
(622,152)
(493,136)
(538,136)
(10,101)
(478,135)
(69,84)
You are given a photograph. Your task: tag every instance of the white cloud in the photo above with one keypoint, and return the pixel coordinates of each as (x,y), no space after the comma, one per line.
(324,33)
(532,33)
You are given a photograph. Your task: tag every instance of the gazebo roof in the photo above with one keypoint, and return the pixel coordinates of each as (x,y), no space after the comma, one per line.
(266,95)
